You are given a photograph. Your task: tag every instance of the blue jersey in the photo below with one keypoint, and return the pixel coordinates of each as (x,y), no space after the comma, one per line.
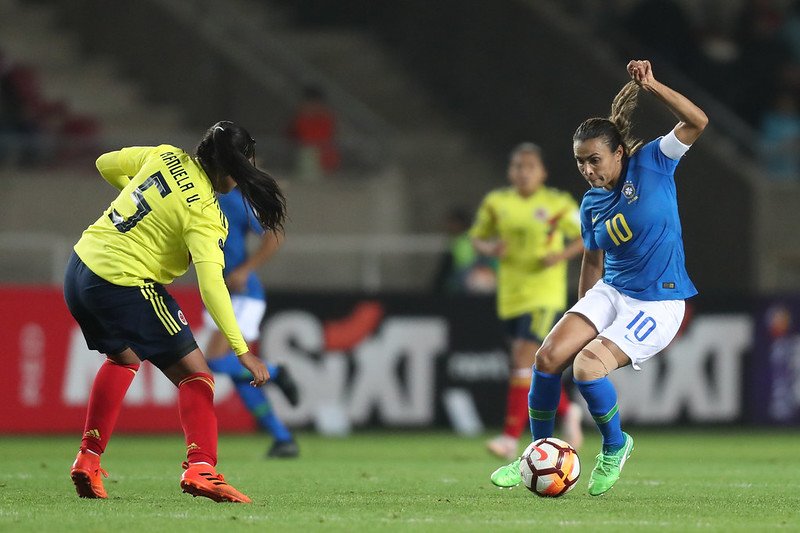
(241,221)
(637,226)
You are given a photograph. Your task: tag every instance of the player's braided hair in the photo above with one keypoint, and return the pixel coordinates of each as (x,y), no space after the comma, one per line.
(616,129)
(226,150)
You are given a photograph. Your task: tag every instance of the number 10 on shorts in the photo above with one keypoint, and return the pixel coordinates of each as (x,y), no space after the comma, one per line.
(644,326)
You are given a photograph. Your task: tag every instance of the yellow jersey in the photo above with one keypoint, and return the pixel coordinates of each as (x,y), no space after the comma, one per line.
(166,211)
(532,228)
(165,216)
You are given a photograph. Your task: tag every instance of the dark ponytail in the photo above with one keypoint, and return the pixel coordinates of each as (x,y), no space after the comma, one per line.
(226,150)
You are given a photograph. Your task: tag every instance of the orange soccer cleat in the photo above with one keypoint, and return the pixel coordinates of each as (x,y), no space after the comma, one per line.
(202,479)
(87,475)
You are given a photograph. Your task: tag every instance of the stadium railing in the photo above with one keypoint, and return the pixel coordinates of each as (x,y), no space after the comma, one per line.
(354,262)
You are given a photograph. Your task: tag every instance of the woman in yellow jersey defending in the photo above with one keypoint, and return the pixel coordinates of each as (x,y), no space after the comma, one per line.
(165,217)
(533,230)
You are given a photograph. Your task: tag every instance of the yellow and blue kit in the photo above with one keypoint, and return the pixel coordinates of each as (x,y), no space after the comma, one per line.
(165,216)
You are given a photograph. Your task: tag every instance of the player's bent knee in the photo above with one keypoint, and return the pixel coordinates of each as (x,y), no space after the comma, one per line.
(595,361)
(548,361)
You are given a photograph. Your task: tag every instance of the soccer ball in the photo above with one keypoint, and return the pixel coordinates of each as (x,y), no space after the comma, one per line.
(550,467)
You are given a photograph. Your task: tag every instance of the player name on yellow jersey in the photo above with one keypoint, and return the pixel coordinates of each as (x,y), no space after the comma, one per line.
(166,214)
(182,178)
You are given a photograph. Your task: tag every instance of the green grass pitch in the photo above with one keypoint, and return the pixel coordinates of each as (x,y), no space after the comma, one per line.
(716,480)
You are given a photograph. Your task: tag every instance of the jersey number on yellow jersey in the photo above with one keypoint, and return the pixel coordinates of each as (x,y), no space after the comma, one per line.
(142,207)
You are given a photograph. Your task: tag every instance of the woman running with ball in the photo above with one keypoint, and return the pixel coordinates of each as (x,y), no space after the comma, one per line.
(633,281)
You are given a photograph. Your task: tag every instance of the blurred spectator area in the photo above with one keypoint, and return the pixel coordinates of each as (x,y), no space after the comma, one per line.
(428,98)
(37,129)
(742,51)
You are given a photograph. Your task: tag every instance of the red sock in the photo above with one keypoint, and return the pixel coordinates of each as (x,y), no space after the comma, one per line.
(199,421)
(105,401)
(517,402)
(563,403)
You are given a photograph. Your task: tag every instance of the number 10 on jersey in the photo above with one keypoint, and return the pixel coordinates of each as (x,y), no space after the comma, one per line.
(618,229)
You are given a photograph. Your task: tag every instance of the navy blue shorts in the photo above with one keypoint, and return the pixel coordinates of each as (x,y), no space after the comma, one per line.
(112,317)
(533,326)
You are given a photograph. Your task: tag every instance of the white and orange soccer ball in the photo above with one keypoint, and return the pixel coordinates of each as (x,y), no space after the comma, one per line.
(550,467)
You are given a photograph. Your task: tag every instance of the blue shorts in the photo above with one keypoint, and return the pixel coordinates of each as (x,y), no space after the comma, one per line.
(533,326)
(112,317)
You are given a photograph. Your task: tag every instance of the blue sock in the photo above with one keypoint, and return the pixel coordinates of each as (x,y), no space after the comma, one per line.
(253,398)
(261,408)
(601,397)
(543,402)
(231,366)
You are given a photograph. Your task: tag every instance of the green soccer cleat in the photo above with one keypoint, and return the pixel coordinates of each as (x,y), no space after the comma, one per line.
(507,476)
(608,467)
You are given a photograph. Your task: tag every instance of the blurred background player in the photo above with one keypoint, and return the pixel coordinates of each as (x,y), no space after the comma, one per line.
(312,129)
(533,230)
(633,278)
(461,269)
(165,216)
(249,305)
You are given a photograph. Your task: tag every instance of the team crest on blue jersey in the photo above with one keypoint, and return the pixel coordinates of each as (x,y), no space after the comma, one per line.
(182,318)
(629,192)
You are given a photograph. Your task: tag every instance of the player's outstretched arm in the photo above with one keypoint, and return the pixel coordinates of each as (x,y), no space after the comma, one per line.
(692,119)
(218,303)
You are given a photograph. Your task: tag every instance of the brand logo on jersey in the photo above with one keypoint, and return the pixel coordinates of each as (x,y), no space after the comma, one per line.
(221,245)
(182,318)
(629,192)
(594,218)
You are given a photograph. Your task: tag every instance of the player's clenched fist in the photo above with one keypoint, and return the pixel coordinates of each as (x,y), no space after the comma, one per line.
(641,72)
